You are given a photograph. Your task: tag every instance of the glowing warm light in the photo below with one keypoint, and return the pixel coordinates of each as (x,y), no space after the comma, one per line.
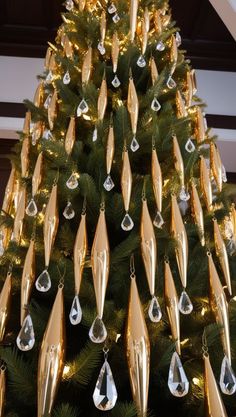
(203,312)
(184,342)
(234,298)
(119,102)
(86,117)
(118,337)
(66,371)
(196,381)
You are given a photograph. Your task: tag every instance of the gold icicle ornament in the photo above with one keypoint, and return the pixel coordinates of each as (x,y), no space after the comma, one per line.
(27,121)
(216,166)
(51,222)
(205,183)
(199,125)
(47,58)
(222,254)
(80,250)
(51,358)
(178,160)
(189,89)
(214,404)
(37,175)
(173,53)
(70,136)
(19,217)
(52,110)
(146,18)
(154,71)
(115,50)
(110,149)
(157,184)
(87,66)
(126,180)
(179,233)
(8,196)
(172,308)
(68,47)
(219,306)
(82,4)
(39,95)
(133,105)
(148,247)
(194,81)
(133,18)
(27,280)
(103,26)
(138,351)
(158,22)
(180,105)
(144,36)
(37,131)
(102,100)
(197,213)
(5,301)
(52,62)
(25,157)
(2,389)
(100,260)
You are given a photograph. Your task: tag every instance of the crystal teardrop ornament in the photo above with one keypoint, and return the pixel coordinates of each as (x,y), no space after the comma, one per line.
(227,378)
(72,182)
(25,340)
(178,39)
(66,78)
(76,311)
(47,134)
(101,48)
(177,381)
(171,83)
(31,210)
(154,311)
(116,18)
(189,146)
(112,8)
(184,195)
(95,135)
(82,108)
(141,62)
(160,46)
(98,331)
(224,176)
(69,212)
(127,223)
(47,101)
(69,5)
(43,283)
(2,250)
(185,305)
(49,77)
(105,393)
(158,221)
(108,183)
(134,146)
(116,82)
(155,106)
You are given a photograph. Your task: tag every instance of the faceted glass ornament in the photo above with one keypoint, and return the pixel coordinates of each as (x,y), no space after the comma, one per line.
(49,77)
(47,101)
(160,46)
(171,83)
(69,212)
(76,311)
(43,283)
(112,8)
(82,108)
(101,48)
(177,381)
(108,183)
(155,106)
(72,182)
(66,78)
(227,378)
(105,393)
(224,176)
(31,210)
(178,39)
(158,221)
(98,331)
(69,5)
(95,135)
(127,223)
(25,340)
(47,134)
(189,146)
(2,250)
(185,305)
(116,18)
(141,62)
(184,195)
(154,311)
(116,82)
(134,146)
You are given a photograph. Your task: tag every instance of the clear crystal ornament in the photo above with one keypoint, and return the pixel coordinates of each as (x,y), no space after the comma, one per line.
(2,250)
(171,83)
(95,135)
(116,18)
(76,311)
(32,209)
(141,62)
(47,134)
(155,106)
(227,378)
(177,381)
(178,39)
(127,223)
(25,340)
(184,195)
(66,78)
(47,101)
(49,77)
(116,82)
(185,305)
(69,212)
(154,310)
(112,8)
(69,5)
(105,393)
(189,146)
(224,176)
(158,221)
(134,146)
(34,138)
(160,46)
(98,331)
(43,283)
(101,48)
(72,182)
(82,108)
(108,183)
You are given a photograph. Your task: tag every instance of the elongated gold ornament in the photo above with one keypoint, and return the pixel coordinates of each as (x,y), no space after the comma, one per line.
(82,4)
(165,20)
(158,22)
(126,180)
(133,18)
(205,183)
(27,121)
(115,50)
(5,301)
(25,157)
(222,254)
(51,358)
(179,233)
(102,100)
(80,250)
(16,193)
(52,110)
(148,247)
(216,166)
(52,62)
(173,53)
(194,81)
(144,36)
(37,131)
(27,280)
(189,89)
(70,136)
(103,26)
(47,58)
(39,95)
(8,196)
(87,66)
(51,222)
(37,175)
(219,306)
(199,125)
(110,150)
(146,18)
(214,404)
(133,105)
(157,184)
(180,105)
(171,300)
(19,217)
(138,351)
(2,389)
(178,160)
(68,48)
(197,213)
(154,71)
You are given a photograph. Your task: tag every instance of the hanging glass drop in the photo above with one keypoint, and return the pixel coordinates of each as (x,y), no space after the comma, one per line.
(47,134)
(69,212)
(224,175)
(108,183)
(49,77)
(160,46)
(25,340)
(47,101)
(82,108)
(31,210)
(43,283)
(72,182)
(105,393)
(141,62)
(227,378)
(185,305)
(177,381)
(101,48)
(116,82)
(95,134)
(76,311)
(66,78)
(134,146)
(178,39)
(2,250)
(154,310)
(98,331)
(184,195)
(158,221)
(116,18)
(127,223)
(189,146)
(69,5)
(155,106)
(112,8)
(171,83)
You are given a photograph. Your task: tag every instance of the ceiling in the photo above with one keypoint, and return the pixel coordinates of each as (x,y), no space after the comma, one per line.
(26,26)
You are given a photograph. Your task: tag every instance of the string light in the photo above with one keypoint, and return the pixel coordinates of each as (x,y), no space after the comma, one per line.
(66,371)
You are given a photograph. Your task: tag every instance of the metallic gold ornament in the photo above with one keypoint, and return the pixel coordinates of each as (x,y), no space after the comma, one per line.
(205,183)
(216,166)
(25,157)
(148,247)
(37,175)
(173,53)
(70,136)
(189,89)
(126,180)
(51,222)
(133,105)
(219,306)
(221,253)
(138,351)
(171,299)
(5,301)
(68,48)
(27,121)
(27,280)
(157,180)
(100,260)
(133,18)
(199,126)
(16,193)
(158,22)
(146,18)
(47,58)
(8,196)
(115,50)
(179,233)
(19,217)
(87,66)
(194,81)
(233,219)
(197,213)
(214,403)
(52,110)
(37,131)
(103,26)
(144,36)
(51,358)
(39,95)
(178,160)
(82,4)
(110,149)
(2,389)
(180,105)
(80,250)
(53,63)
(102,100)
(165,20)
(154,71)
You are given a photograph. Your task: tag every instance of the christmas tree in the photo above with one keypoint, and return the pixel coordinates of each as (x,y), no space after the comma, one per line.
(117,232)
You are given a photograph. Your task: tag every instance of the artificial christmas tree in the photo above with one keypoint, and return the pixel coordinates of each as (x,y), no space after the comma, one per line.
(117,236)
